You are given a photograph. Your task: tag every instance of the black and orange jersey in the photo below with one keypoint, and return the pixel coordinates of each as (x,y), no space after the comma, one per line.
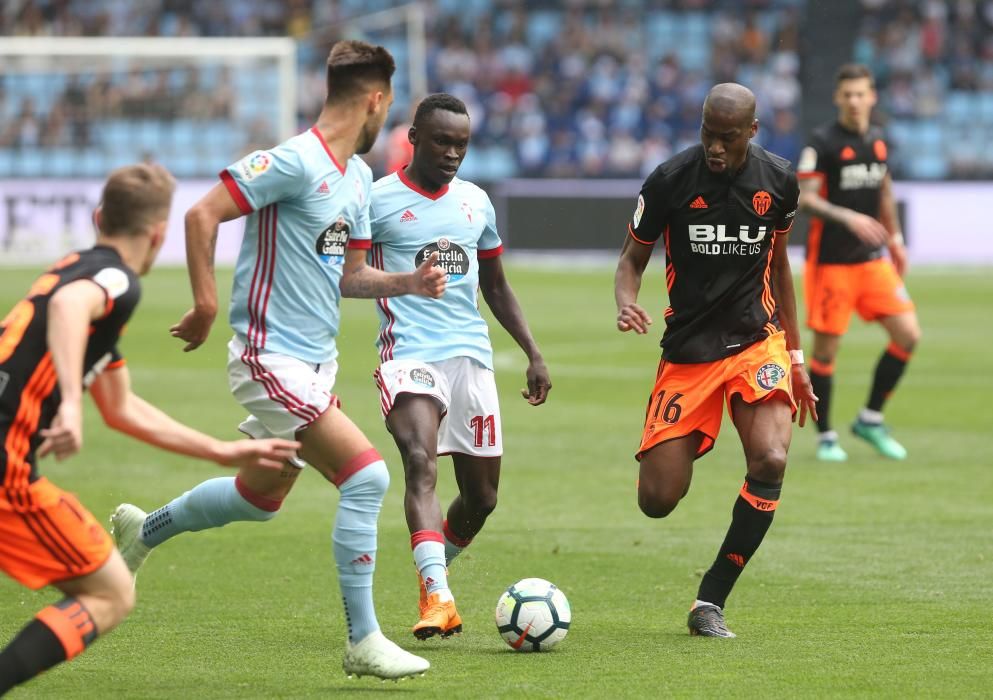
(851,168)
(29,394)
(718,231)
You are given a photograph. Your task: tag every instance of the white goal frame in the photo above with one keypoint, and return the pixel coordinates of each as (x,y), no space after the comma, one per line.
(32,52)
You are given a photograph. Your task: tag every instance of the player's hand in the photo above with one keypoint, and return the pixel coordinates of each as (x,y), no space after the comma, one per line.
(867,229)
(632,317)
(898,254)
(539,383)
(64,437)
(803,394)
(429,280)
(257,454)
(194,328)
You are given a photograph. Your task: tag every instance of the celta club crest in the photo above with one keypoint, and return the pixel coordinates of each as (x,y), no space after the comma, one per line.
(761,202)
(769,375)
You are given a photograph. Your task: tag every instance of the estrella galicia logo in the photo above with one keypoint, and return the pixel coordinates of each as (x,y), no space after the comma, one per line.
(452,258)
(769,375)
(332,242)
(421,376)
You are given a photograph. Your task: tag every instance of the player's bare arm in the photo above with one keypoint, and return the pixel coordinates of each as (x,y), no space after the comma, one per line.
(866,228)
(627,283)
(126,412)
(361,281)
(503,303)
(785,297)
(70,311)
(202,221)
(890,219)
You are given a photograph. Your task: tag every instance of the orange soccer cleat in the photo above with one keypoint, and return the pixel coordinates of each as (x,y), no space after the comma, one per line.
(438,618)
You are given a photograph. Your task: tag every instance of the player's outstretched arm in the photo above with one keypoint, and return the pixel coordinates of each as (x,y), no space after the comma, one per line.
(201,241)
(503,303)
(627,283)
(70,311)
(360,281)
(128,413)
(785,297)
(865,228)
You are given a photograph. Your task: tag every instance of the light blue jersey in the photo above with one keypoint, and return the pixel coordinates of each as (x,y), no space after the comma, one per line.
(408,224)
(304,210)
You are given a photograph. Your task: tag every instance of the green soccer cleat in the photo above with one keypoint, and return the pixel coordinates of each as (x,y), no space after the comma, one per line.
(708,621)
(830,451)
(878,435)
(126,524)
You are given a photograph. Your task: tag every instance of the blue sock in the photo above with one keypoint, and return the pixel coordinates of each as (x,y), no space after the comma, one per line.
(354,540)
(429,558)
(213,503)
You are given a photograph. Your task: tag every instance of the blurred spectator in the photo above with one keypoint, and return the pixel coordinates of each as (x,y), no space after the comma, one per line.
(560,88)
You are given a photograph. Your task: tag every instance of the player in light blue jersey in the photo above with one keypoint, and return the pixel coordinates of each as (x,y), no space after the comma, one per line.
(436,378)
(305,245)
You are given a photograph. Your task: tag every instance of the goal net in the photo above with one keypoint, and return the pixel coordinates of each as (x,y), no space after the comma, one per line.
(72,109)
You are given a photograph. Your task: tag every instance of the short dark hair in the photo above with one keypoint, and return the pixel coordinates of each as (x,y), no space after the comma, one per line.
(853,71)
(134,198)
(439,100)
(354,65)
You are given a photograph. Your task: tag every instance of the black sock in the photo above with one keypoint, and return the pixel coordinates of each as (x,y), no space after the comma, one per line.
(33,650)
(889,369)
(750,519)
(822,384)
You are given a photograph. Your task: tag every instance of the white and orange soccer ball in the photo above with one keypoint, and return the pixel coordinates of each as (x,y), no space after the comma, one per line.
(533,615)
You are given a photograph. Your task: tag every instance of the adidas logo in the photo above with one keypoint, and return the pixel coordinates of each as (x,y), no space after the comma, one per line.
(698,203)
(364,559)
(429,581)
(737,560)
(407,216)
(324,189)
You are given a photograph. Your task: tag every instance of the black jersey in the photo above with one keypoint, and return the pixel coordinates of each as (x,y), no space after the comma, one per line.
(29,394)
(718,231)
(851,168)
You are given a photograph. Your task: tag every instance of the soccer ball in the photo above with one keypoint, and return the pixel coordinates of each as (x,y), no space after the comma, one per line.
(533,615)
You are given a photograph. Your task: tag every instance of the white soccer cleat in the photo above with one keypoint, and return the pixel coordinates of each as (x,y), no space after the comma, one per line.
(378,656)
(125,526)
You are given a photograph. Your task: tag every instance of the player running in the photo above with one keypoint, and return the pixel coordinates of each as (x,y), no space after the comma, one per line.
(61,339)
(723,210)
(846,185)
(436,379)
(306,237)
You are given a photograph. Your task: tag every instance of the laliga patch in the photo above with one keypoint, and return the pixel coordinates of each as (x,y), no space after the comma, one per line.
(808,161)
(422,377)
(769,375)
(254,164)
(332,242)
(113,280)
(452,258)
(638,211)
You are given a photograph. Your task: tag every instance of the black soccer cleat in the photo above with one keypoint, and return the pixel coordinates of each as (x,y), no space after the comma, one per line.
(708,621)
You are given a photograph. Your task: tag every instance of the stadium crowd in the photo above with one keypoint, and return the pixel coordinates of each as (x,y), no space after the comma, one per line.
(569,88)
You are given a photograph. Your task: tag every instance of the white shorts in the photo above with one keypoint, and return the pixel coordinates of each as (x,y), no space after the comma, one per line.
(467,393)
(282,394)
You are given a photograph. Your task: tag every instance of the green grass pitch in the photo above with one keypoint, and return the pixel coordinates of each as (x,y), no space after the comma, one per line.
(874,580)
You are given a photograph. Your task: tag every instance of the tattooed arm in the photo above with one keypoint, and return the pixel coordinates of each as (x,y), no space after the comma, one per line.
(361,281)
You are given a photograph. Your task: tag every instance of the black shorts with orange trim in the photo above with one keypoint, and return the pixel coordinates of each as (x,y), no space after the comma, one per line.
(46,535)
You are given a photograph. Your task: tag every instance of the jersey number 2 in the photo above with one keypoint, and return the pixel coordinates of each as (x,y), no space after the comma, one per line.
(482,426)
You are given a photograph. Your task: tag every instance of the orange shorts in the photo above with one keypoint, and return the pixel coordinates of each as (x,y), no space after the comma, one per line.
(873,288)
(687,397)
(46,535)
